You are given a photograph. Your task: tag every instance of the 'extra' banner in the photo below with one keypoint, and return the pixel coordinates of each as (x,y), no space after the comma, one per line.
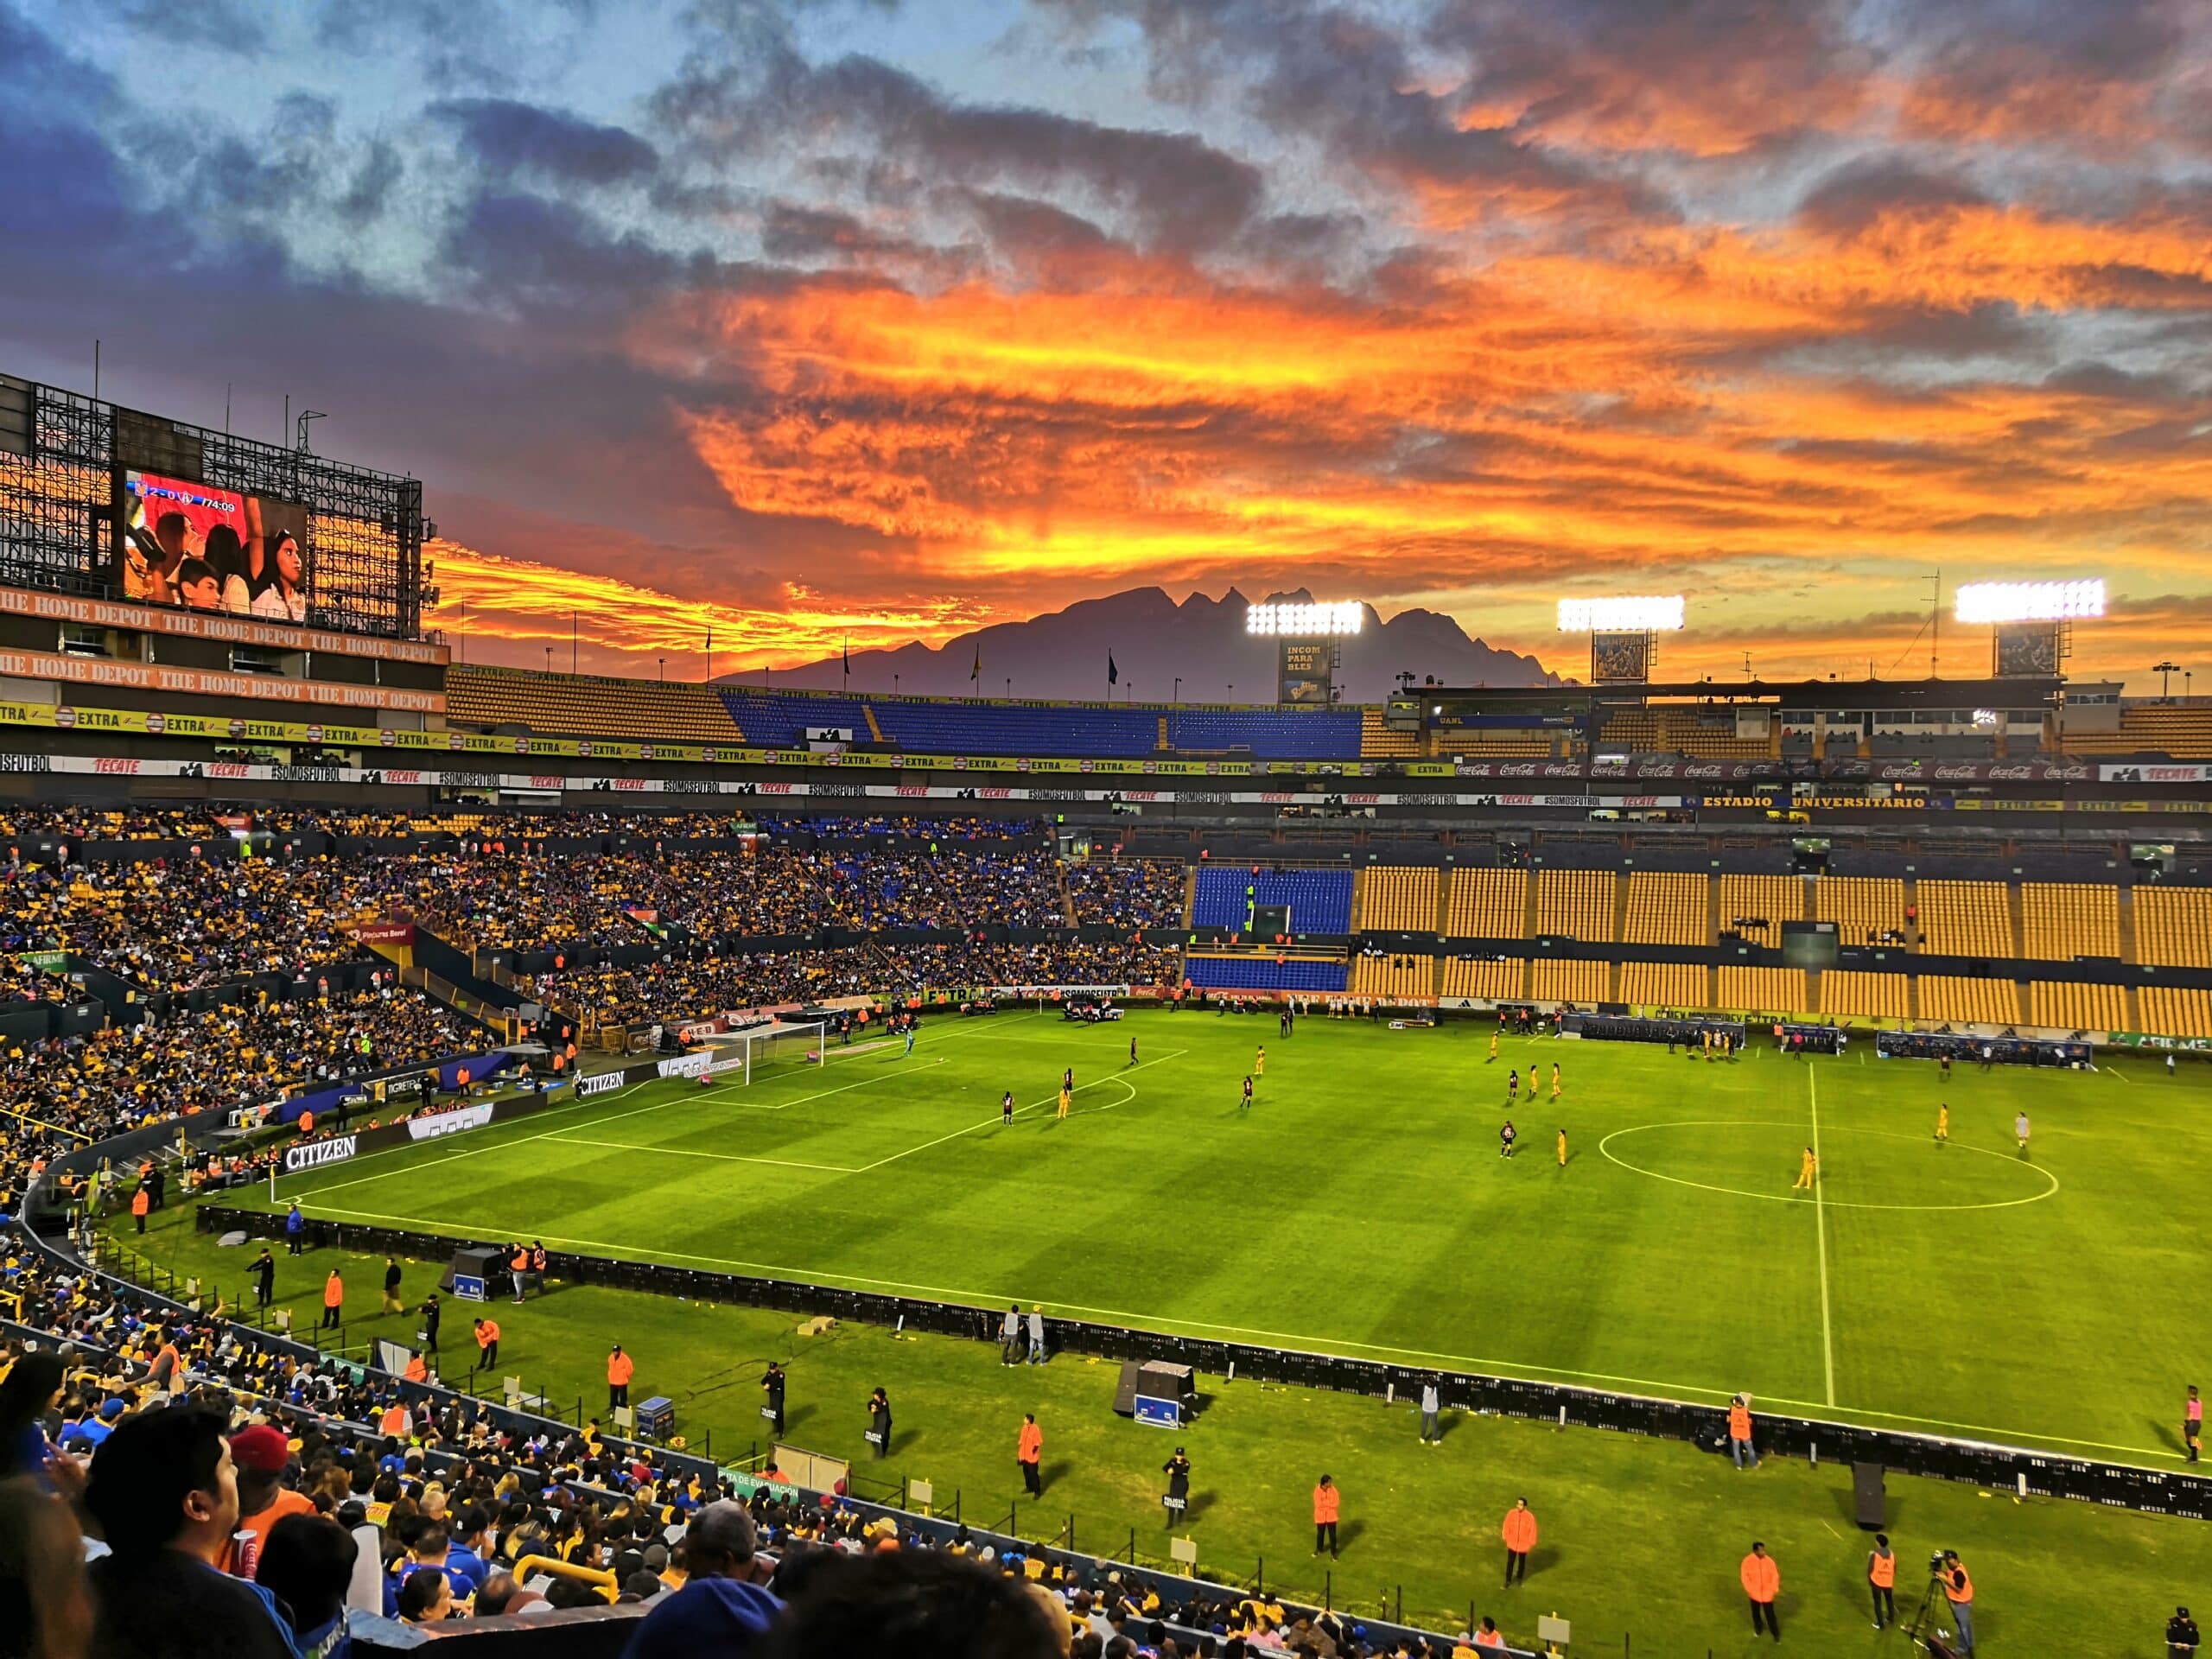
(315,1153)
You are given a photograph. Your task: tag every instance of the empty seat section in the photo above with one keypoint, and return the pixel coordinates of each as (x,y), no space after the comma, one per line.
(1767,900)
(2173,927)
(1864,996)
(1576,903)
(779,720)
(1487,905)
(1494,982)
(1957,999)
(2065,1007)
(1264,974)
(1666,909)
(1320,900)
(1393,976)
(1861,906)
(1315,734)
(1395,899)
(1966,919)
(1664,985)
(1570,982)
(1506,744)
(2175,1011)
(562,705)
(2065,919)
(1379,742)
(1763,991)
(932,727)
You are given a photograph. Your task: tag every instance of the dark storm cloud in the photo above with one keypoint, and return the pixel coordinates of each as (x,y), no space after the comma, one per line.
(1853,195)
(1179,191)
(510,139)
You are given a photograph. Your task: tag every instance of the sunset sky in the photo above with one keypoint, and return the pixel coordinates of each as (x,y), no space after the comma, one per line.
(856,317)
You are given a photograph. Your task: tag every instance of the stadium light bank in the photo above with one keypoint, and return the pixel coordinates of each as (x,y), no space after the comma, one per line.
(1306,621)
(2029,602)
(1630,613)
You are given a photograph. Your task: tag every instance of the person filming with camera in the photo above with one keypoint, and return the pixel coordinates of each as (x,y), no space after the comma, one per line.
(1958,1590)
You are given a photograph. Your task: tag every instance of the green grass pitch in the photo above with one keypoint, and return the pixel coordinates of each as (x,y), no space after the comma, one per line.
(1361,1207)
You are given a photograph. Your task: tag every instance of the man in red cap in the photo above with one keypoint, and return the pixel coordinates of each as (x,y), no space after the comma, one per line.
(261,1453)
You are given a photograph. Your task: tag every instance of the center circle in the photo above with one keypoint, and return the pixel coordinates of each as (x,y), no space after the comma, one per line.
(1801,1131)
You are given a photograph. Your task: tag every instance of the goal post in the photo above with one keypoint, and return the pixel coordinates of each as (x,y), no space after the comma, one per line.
(767,1048)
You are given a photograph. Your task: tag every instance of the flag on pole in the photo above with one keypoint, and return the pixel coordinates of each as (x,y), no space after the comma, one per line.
(976,672)
(849,654)
(1113,674)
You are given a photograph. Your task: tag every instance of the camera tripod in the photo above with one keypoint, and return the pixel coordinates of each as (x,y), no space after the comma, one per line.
(1924,1627)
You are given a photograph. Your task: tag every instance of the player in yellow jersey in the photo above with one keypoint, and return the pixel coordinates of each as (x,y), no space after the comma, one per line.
(1260,1062)
(1562,1149)
(1943,1123)
(1807,1172)
(1493,1043)
(1067,1099)
(1555,1087)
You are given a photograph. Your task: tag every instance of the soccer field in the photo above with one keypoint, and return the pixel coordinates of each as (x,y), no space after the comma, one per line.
(1361,1207)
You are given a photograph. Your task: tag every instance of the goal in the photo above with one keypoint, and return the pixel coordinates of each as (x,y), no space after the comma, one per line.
(767,1048)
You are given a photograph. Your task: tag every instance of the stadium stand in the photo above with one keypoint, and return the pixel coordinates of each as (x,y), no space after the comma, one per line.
(1845,992)
(1665,908)
(1665,985)
(1769,900)
(1966,919)
(1250,973)
(1951,999)
(1570,982)
(2182,729)
(564,705)
(1578,904)
(779,719)
(1334,734)
(1396,899)
(1487,905)
(2175,1011)
(1130,892)
(2063,920)
(1378,742)
(1865,909)
(1763,991)
(1320,900)
(1393,977)
(2173,926)
(2067,1006)
(1505,980)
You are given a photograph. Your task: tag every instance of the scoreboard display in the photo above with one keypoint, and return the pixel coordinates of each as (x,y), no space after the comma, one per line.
(1306,671)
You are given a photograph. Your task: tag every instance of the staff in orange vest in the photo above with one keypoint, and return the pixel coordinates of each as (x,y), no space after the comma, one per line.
(140,1202)
(1029,1452)
(419,1369)
(619,1369)
(1762,1583)
(1958,1590)
(1881,1578)
(487,1345)
(334,1297)
(1520,1531)
(1325,1502)
(1739,1431)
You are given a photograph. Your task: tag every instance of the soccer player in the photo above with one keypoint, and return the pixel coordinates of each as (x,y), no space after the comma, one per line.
(1807,1168)
(1005,1107)
(1513,1083)
(1555,1079)
(1562,1149)
(1946,1068)
(2020,1129)
(1505,1139)
(2192,1423)
(910,1040)
(1246,1103)
(1133,1051)
(1067,1079)
(1493,1047)
(1067,1099)
(1942,1122)
(1260,1062)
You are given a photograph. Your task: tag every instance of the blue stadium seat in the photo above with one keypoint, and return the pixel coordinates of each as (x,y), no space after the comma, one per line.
(1269,736)
(1320,900)
(1129,732)
(1265,974)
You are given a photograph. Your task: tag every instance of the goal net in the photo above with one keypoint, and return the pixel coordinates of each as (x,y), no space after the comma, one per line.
(765,1050)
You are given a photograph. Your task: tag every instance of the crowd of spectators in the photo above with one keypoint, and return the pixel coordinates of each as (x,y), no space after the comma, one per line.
(1131,893)
(852,826)
(914,889)
(357,1500)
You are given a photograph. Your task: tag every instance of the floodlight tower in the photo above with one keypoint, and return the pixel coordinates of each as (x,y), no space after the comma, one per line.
(1310,639)
(1623,631)
(2032,623)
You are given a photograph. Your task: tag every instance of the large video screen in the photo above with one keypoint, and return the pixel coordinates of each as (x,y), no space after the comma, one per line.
(208,549)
